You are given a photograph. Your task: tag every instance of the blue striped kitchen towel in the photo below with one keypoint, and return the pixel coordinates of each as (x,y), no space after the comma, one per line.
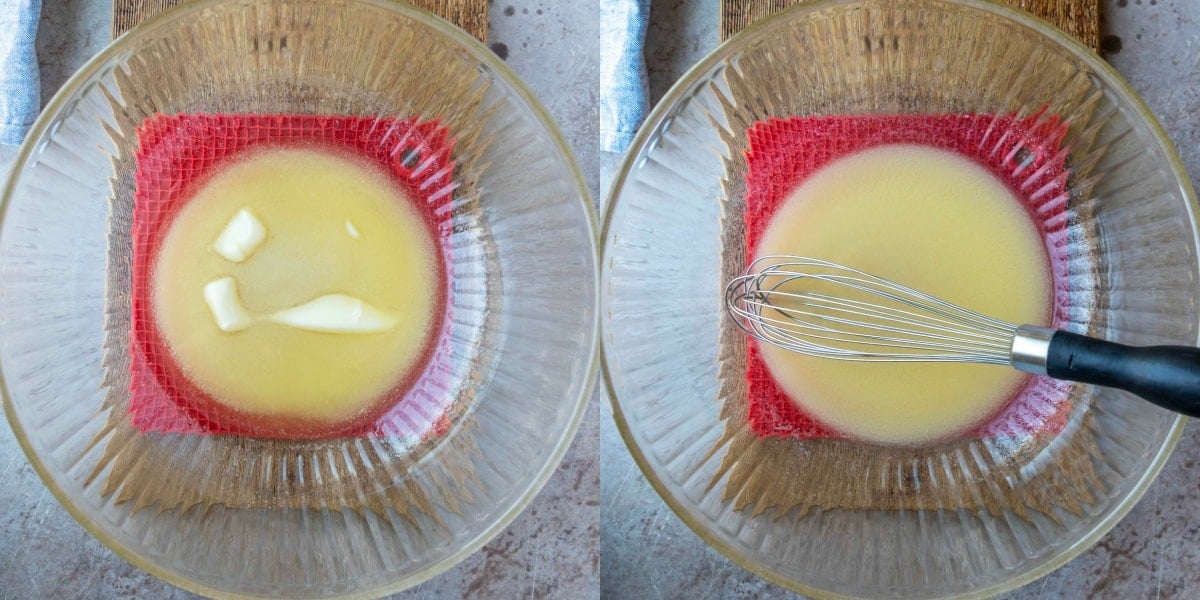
(19,83)
(623,88)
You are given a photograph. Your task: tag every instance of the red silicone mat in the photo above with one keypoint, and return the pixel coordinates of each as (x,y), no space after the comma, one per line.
(177,154)
(1024,153)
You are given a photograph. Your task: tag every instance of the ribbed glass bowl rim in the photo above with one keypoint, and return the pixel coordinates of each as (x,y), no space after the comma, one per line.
(478,52)
(742,41)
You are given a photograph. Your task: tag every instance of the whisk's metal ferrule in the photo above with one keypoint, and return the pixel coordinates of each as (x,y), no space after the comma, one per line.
(1030,349)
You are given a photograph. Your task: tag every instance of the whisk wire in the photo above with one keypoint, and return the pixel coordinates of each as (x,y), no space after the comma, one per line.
(918,338)
(900,324)
(930,327)
(770,329)
(869,283)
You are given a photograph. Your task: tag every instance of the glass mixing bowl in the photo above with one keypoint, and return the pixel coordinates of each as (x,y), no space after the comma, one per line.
(230,515)
(967,518)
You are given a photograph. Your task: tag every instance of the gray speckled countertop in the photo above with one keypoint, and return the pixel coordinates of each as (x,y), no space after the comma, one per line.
(550,551)
(647,552)
(558,548)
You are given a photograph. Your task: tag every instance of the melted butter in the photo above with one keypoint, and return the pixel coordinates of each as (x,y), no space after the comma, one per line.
(336,313)
(931,220)
(306,283)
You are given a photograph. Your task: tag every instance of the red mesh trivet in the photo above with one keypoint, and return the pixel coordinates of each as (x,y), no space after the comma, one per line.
(1024,153)
(177,154)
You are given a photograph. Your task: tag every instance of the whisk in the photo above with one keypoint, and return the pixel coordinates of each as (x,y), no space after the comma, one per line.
(828,310)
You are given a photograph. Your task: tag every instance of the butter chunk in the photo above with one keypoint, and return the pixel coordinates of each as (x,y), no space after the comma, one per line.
(222,298)
(336,313)
(241,237)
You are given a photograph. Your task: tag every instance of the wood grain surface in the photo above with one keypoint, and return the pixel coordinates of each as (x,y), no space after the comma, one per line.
(471,15)
(1080,18)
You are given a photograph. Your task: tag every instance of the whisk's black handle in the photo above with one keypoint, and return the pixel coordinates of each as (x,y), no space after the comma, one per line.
(1168,376)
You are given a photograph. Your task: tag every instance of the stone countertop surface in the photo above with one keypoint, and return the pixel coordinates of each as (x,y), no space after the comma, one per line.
(549,551)
(647,552)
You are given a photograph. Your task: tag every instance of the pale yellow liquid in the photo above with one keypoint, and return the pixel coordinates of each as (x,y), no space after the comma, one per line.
(304,198)
(933,221)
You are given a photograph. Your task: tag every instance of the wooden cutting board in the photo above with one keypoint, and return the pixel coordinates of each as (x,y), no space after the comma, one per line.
(1080,18)
(471,15)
